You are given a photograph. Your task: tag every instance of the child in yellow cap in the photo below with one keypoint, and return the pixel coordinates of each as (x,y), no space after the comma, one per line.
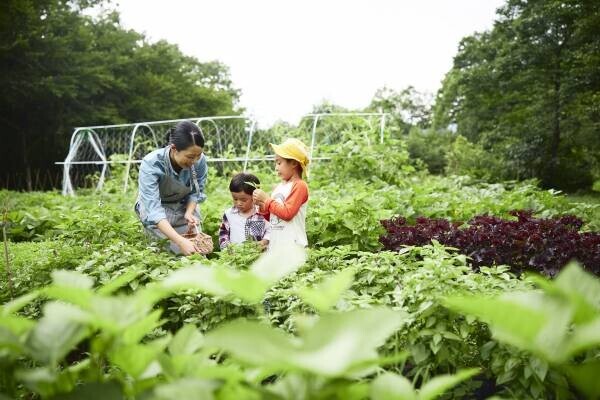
(286,208)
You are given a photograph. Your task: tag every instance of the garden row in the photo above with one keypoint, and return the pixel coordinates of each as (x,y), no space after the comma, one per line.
(118,308)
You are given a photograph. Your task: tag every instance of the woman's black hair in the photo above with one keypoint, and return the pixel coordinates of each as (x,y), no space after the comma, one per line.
(239,183)
(184,135)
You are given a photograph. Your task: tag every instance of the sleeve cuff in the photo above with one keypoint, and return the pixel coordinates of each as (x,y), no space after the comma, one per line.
(155,218)
(198,198)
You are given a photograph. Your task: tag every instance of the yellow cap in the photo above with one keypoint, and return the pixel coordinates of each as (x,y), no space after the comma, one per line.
(293,149)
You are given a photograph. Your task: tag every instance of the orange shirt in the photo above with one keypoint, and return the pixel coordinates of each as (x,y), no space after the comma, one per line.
(289,207)
(286,210)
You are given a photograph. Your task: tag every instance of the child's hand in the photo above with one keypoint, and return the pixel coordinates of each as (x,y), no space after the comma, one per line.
(259,196)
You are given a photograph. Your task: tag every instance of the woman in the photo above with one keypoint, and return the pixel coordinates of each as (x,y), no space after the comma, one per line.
(171,184)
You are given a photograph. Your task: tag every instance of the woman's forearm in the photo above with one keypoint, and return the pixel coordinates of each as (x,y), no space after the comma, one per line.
(165,227)
(191,207)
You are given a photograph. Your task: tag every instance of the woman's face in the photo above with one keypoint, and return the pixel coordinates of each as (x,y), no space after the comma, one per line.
(187,157)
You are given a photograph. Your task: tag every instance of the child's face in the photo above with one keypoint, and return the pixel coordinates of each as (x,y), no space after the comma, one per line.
(285,169)
(242,201)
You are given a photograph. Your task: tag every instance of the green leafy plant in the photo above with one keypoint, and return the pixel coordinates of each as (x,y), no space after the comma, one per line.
(560,323)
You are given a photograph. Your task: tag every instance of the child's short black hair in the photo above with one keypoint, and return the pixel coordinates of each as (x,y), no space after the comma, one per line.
(238,183)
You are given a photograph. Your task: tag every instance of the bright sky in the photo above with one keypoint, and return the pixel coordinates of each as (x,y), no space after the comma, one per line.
(287,56)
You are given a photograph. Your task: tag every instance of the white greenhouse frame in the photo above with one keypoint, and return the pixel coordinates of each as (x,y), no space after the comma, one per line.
(81,134)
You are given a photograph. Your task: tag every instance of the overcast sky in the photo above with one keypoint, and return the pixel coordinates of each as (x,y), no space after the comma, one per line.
(286,56)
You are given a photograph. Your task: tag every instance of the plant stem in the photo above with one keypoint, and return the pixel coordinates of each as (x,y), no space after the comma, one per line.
(6,257)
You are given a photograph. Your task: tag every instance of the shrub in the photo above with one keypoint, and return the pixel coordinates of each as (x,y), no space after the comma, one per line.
(466,158)
(431,147)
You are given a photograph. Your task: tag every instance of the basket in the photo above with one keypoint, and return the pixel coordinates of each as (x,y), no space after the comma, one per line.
(203,242)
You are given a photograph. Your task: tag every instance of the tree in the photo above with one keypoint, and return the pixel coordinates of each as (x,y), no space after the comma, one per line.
(407,107)
(529,89)
(60,69)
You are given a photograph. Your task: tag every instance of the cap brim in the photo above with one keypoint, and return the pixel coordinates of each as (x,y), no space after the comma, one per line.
(277,149)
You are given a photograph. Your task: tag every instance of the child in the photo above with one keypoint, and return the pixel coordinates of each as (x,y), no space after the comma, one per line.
(242,221)
(286,209)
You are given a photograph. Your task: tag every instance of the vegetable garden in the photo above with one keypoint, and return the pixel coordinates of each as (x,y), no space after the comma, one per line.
(414,286)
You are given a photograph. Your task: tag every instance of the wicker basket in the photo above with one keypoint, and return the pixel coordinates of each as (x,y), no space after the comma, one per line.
(203,242)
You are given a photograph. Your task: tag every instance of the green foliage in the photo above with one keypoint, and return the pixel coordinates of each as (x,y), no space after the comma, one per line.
(430,147)
(407,108)
(466,158)
(145,322)
(62,68)
(391,386)
(557,324)
(335,345)
(122,360)
(356,155)
(325,295)
(526,89)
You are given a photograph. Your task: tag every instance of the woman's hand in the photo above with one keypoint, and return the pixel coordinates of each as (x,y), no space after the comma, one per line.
(259,196)
(191,219)
(263,244)
(187,247)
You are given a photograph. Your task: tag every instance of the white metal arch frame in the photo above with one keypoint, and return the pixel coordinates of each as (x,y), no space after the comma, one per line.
(249,130)
(132,149)
(77,138)
(81,133)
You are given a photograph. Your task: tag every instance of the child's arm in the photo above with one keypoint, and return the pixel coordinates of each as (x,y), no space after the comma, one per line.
(265,236)
(289,209)
(224,232)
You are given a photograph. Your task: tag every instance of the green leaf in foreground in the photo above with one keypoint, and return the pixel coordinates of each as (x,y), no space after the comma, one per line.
(325,295)
(331,347)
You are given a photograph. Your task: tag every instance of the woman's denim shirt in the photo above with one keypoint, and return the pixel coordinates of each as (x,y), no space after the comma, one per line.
(155,167)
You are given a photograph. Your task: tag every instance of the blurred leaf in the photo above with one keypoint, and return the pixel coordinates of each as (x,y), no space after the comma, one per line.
(335,343)
(15,305)
(73,295)
(118,312)
(72,279)
(58,331)
(138,330)
(93,391)
(241,338)
(16,324)
(186,388)
(582,288)
(584,337)
(135,358)
(186,341)
(585,378)
(527,320)
(388,386)
(243,285)
(278,262)
(339,340)
(325,295)
(119,281)
(196,277)
(440,384)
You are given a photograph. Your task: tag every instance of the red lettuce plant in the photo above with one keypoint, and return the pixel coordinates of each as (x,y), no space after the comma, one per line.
(527,243)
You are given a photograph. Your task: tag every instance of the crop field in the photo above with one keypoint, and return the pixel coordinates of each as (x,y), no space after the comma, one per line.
(414,286)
